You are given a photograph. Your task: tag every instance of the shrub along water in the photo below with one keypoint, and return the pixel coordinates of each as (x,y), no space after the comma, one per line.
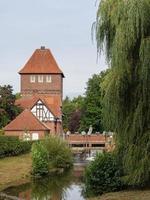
(40,159)
(52,151)
(103,175)
(12,146)
(60,155)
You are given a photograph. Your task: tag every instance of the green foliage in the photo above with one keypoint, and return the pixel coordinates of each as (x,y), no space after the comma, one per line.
(102,175)
(18,95)
(60,155)
(81,112)
(51,153)
(72,113)
(123,31)
(8,109)
(92,109)
(40,161)
(12,146)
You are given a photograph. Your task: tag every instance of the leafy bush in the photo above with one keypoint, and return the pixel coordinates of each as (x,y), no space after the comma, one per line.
(102,175)
(12,146)
(40,162)
(51,153)
(60,155)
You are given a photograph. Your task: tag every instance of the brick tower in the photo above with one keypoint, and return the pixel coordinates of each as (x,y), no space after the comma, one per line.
(41,75)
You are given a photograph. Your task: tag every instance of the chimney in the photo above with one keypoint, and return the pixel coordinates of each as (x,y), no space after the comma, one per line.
(42,47)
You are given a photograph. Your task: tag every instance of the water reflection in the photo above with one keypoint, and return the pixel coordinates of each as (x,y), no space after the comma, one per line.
(58,187)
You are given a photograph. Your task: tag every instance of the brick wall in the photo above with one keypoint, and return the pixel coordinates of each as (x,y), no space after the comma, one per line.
(21,133)
(52,88)
(55,129)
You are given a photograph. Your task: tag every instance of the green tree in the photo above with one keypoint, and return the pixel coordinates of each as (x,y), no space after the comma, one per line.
(72,113)
(92,109)
(81,112)
(123,30)
(67,109)
(8,109)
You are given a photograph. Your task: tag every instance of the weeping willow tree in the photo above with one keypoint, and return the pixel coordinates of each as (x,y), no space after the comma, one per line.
(122,30)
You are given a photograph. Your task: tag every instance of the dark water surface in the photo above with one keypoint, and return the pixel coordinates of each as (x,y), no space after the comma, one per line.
(68,186)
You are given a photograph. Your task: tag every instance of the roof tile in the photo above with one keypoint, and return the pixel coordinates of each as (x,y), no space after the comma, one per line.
(41,62)
(25,121)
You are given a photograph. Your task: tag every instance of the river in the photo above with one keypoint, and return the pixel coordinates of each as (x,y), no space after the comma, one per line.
(66,186)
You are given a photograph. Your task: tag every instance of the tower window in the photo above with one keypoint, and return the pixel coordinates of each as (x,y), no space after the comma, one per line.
(40,78)
(48,79)
(32,79)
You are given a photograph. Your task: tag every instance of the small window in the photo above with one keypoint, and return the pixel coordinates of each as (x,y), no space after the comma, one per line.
(40,79)
(32,79)
(48,79)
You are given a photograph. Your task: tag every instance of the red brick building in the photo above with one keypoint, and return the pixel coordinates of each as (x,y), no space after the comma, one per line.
(41,97)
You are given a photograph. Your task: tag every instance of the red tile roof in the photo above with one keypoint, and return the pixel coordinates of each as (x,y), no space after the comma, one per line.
(26,102)
(53,103)
(41,62)
(25,121)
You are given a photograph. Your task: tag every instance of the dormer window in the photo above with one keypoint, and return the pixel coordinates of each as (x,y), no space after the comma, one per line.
(32,79)
(48,79)
(40,78)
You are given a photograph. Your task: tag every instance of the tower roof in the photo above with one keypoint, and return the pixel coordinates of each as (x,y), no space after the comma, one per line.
(25,121)
(41,62)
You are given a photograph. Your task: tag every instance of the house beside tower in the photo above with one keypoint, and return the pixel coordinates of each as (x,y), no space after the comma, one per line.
(41,98)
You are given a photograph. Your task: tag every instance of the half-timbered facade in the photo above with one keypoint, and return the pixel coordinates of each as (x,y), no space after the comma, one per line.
(41,111)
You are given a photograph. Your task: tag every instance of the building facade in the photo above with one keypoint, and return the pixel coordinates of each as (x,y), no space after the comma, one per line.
(41,83)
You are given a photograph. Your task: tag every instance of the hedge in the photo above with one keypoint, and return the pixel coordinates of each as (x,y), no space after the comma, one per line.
(103,175)
(12,146)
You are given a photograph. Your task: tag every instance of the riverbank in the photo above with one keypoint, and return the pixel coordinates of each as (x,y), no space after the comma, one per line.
(15,170)
(125,195)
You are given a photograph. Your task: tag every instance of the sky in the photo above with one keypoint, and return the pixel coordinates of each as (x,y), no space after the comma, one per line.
(64,26)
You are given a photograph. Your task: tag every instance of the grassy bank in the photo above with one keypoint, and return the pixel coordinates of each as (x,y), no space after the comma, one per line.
(14,170)
(126,195)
